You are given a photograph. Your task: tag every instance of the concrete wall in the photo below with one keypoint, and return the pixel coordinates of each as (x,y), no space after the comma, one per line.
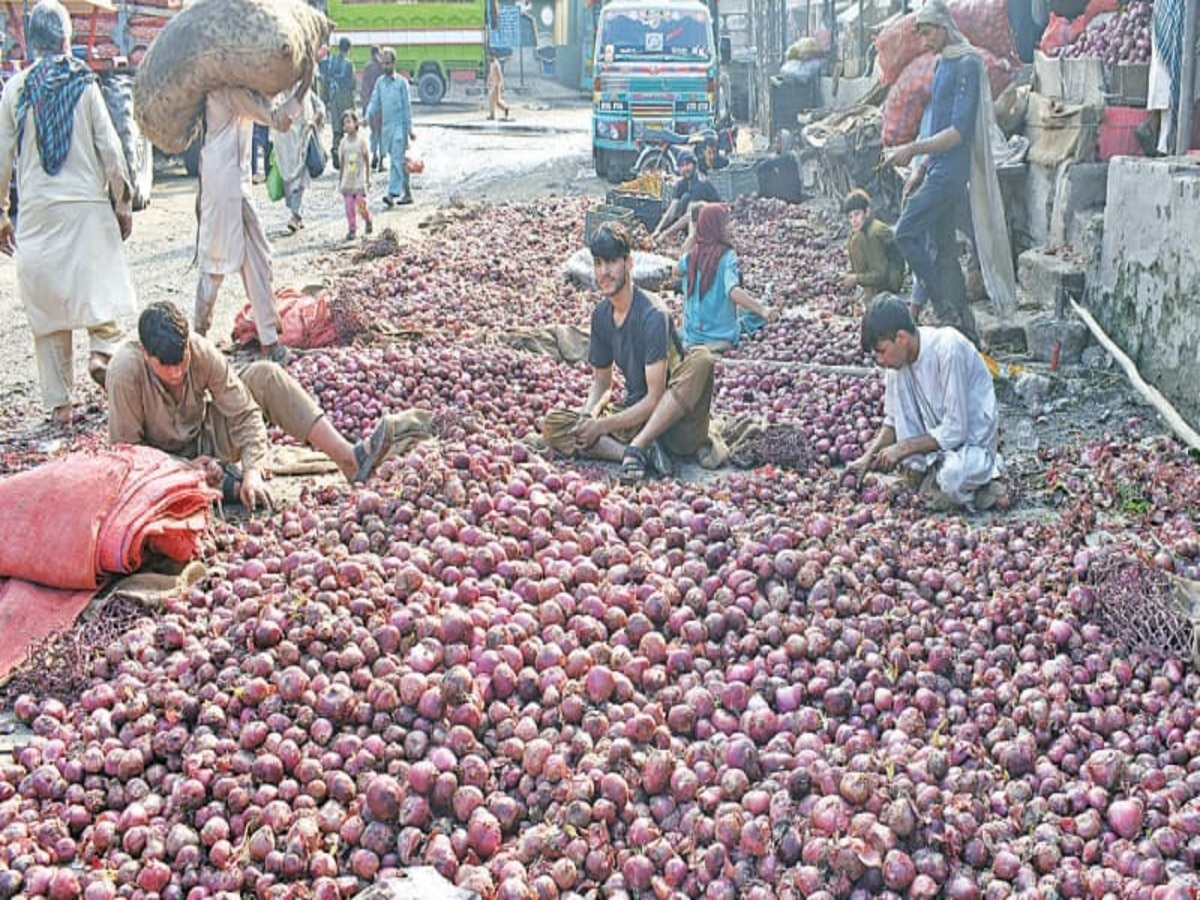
(1148,297)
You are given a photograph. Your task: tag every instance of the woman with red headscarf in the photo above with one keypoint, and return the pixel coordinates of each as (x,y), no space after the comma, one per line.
(713,296)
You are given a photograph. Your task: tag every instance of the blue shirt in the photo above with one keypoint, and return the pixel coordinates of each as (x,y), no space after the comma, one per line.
(390,98)
(712,318)
(954,101)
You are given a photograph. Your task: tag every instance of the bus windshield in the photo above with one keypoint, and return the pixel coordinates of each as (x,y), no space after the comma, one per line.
(655,34)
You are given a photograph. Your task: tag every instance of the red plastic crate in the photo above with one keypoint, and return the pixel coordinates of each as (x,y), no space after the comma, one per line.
(1117,132)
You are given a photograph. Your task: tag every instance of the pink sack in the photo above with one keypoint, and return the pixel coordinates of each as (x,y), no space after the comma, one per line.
(305,320)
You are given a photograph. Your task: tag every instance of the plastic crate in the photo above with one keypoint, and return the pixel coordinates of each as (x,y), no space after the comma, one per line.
(646,208)
(605,213)
(1117,136)
(734,180)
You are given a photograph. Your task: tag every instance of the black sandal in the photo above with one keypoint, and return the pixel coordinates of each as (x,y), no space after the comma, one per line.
(634,466)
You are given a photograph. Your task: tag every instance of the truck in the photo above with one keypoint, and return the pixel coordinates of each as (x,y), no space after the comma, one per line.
(656,69)
(437,42)
(111,39)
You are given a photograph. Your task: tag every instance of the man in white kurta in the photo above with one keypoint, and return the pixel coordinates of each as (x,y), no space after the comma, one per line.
(231,238)
(75,208)
(939,407)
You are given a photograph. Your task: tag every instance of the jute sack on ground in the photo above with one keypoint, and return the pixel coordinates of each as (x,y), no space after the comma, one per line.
(265,45)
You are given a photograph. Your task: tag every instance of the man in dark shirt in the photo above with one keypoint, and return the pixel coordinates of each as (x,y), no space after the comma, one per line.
(692,187)
(939,183)
(370,74)
(667,395)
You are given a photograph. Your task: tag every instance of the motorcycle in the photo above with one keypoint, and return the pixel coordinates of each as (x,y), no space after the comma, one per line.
(660,150)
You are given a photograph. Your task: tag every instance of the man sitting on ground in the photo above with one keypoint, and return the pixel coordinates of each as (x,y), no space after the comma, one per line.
(692,187)
(667,392)
(175,391)
(876,264)
(940,421)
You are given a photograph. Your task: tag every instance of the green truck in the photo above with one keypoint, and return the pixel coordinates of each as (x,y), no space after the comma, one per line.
(436,43)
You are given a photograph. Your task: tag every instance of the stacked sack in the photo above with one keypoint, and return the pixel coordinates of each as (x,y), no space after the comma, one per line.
(267,46)
(909,71)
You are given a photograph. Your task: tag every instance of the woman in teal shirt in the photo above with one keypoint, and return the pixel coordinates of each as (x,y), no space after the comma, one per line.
(717,310)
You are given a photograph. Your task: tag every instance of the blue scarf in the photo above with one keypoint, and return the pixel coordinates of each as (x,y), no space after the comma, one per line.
(52,89)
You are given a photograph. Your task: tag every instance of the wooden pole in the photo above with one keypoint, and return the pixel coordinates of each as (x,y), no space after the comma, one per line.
(1148,391)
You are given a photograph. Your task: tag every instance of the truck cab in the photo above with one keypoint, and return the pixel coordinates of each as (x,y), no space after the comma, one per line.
(655,68)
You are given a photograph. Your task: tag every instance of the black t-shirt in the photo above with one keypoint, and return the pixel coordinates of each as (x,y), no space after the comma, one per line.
(645,337)
(695,188)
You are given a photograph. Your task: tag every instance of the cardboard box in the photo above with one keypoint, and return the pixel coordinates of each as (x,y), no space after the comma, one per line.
(1061,132)
(1071,80)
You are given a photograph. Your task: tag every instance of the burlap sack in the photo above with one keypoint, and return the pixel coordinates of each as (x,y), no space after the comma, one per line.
(265,45)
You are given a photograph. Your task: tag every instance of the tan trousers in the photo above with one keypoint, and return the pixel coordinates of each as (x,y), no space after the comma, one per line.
(256,278)
(690,383)
(56,363)
(283,401)
(495,103)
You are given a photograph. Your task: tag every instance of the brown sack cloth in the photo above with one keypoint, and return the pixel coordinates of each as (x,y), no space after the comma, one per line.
(264,45)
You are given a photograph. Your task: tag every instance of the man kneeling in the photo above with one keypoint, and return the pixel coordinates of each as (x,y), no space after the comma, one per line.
(667,392)
(939,410)
(175,391)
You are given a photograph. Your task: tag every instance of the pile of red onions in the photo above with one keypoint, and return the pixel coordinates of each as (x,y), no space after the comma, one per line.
(758,684)
(1121,38)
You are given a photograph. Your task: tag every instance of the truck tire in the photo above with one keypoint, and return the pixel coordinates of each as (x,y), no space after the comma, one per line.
(431,88)
(117,88)
(600,162)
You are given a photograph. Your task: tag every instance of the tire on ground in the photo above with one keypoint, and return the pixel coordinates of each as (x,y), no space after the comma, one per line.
(430,88)
(117,88)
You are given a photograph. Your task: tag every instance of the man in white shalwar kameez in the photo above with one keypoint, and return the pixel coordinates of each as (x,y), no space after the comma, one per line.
(231,239)
(940,421)
(76,208)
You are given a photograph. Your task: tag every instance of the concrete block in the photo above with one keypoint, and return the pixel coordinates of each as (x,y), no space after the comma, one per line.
(1039,203)
(1078,187)
(1009,338)
(1049,278)
(1043,333)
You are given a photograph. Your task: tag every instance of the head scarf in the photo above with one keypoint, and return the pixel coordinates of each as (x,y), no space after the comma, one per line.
(936,13)
(711,245)
(54,86)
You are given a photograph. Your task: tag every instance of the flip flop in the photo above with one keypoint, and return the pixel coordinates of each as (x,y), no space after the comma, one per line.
(370,453)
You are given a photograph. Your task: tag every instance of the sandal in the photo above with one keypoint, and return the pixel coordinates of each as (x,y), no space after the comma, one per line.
(63,416)
(634,466)
(370,453)
(98,368)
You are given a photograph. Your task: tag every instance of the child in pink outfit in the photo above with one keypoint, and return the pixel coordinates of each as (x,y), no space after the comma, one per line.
(355,162)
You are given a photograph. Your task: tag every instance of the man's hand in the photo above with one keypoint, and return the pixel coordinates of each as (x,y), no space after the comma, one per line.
(588,431)
(911,184)
(900,156)
(211,468)
(125,223)
(863,464)
(8,236)
(773,314)
(890,457)
(254,490)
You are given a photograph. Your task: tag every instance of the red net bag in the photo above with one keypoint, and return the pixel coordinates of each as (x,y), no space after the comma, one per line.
(896,46)
(906,101)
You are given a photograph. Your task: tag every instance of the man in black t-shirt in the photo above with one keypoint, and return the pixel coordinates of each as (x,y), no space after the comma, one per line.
(667,396)
(692,187)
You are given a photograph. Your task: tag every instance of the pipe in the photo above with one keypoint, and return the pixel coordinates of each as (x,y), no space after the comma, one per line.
(1187,87)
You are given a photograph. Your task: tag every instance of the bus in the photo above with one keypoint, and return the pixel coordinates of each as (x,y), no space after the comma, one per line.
(436,43)
(655,68)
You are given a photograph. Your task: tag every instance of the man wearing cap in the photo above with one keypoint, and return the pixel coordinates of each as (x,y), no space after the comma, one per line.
(957,155)
(667,392)
(390,100)
(692,187)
